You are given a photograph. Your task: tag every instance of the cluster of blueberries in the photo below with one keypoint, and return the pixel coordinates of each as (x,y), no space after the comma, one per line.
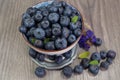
(104,58)
(52,27)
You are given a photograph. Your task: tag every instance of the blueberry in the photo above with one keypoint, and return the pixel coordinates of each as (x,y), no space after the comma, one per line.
(63,3)
(40,57)
(65,32)
(64,21)
(31,40)
(38,43)
(85,63)
(72,26)
(48,32)
(103,54)
(98,42)
(96,56)
(53,9)
(31,11)
(39,33)
(57,4)
(71,38)
(67,11)
(29,22)
(52,57)
(23,29)
(111,54)
(78,69)
(30,32)
(60,10)
(67,71)
(38,17)
(25,16)
(67,54)
(77,32)
(40,72)
(104,65)
(50,45)
(45,24)
(45,12)
(32,53)
(39,25)
(56,31)
(56,25)
(61,43)
(58,59)
(53,17)
(109,60)
(94,69)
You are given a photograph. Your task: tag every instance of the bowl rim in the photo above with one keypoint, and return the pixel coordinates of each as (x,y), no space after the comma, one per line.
(52,51)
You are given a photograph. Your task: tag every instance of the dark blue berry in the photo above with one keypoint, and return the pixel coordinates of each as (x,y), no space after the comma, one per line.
(50,45)
(32,53)
(96,56)
(78,69)
(38,17)
(25,16)
(30,32)
(65,32)
(85,63)
(56,25)
(52,57)
(111,54)
(98,42)
(53,9)
(103,54)
(56,31)
(71,38)
(39,33)
(104,65)
(60,10)
(40,72)
(23,29)
(31,11)
(59,59)
(64,21)
(94,69)
(68,54)
(53,17)
(63,3)
(57,4)
(45,12)
(45,24)
(109,60)
(72,26)
(67,11)
(48,32)
(67,71)
(29,22)
(40,57)
(77,32)
(61,43)
(38,43)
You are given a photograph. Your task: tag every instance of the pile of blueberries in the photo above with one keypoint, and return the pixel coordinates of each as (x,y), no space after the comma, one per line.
(52,27)
(104,58)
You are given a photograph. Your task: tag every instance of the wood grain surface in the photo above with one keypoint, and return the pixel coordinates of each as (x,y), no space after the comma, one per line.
(15,63)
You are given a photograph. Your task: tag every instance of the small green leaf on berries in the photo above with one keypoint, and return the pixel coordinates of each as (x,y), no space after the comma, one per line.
(33,40)
(46,40)
(94,62)
(74,19)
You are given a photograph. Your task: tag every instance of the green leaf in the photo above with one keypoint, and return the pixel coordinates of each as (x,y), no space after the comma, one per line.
(46,40)
(84,54)
(74,19)
(33,40)
(94,62)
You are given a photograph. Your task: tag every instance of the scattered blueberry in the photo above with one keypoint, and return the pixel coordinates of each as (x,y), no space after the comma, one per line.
(109,60)
(67,71)
(104,65)
(59,59)
(40,72)
(67,54)
(96,56)
(103,54)
(78,69)
(98,42)
(94,69)
(85,63)
(111,54)
(40,57)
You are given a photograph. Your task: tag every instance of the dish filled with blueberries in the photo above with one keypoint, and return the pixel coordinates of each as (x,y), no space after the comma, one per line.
(54,26)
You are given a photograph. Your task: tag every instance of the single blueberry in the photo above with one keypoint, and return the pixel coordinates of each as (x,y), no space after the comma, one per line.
(94,69)
(111,54)
(103,54)
(64,21)
(59,59)
(23,29)
(98,42)
(85,63)
(67,71)
(65,32)
(40,72)
(29,22)
(32,53)
(96,56)
(40,57)
(77,32)
(53,17)
(38,43)
(50,45)
(45,24)
(39,33)
(78,69)
(67,54)
(71,38)
(56,31)
(104,65)
(48,32)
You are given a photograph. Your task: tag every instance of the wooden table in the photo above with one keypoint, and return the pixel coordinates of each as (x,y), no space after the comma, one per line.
(15,63)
